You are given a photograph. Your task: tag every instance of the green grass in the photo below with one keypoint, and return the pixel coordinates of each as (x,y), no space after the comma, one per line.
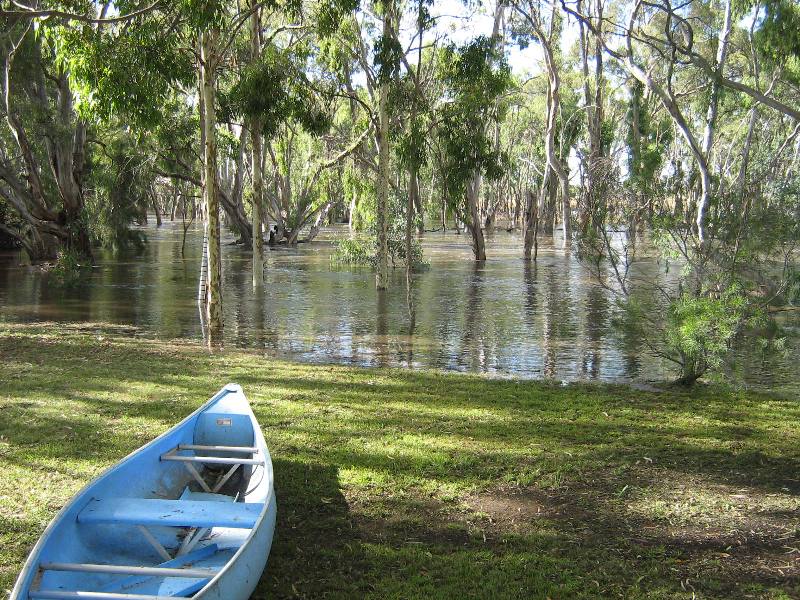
(421,484)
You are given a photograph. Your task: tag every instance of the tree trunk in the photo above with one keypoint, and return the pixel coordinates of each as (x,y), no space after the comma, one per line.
(154,200)
(418,212)
(258,182)
(209,60)
(553,105)
(413,195)
(531,226)
(258,199)
(553,101)
(594,119)
(473,220)
(711,120)
(318,222)
(382,272)
(231,195)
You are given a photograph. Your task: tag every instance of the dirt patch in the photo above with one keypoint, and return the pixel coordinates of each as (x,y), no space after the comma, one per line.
(514,510)
(736,537)
(408,521)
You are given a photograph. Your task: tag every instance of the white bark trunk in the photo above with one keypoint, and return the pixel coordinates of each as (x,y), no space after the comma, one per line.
(214,287)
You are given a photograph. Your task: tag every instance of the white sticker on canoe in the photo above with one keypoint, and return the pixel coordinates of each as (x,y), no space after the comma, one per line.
(223,422)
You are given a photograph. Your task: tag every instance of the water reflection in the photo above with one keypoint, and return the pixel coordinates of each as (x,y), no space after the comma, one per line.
(505,317)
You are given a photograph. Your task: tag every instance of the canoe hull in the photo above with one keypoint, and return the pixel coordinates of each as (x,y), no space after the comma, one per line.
(242,554)
(242,576)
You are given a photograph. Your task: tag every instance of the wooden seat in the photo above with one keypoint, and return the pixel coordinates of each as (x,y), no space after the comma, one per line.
(175,513)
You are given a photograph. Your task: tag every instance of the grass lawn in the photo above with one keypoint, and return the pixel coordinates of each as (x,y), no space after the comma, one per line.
(395,483)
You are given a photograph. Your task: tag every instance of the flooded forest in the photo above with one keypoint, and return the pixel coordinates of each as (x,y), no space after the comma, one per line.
(566,190)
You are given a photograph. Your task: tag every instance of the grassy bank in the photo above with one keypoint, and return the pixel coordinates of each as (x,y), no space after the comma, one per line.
(418,484)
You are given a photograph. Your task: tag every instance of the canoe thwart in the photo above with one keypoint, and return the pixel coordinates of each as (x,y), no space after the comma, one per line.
(213,460)
(174,513)
(243,449)
(128,570)
(180,561)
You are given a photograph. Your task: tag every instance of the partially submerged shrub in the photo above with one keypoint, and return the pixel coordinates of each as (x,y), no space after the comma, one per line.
(701,329)
(70,268)
(364,252)
(354,252)
(694,331)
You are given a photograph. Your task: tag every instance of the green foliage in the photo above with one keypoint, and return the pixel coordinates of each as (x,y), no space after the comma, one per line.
(778,36)
(364,250)
(202,14)
(330,15)
(360,188)
(388,57)
(654,139)
(355,251)
(70,269)
(475,76)
(276,89)
(126,72)
(701,328)
(122,180)
(410,134)
(695,332)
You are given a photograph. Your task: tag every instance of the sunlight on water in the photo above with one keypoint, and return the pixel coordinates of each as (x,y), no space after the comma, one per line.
(505,318)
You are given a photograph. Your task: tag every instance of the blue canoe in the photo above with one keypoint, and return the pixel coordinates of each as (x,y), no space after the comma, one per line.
(189,515)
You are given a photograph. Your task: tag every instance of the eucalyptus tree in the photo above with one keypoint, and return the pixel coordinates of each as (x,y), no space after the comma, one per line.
(185,51)
(49,124)
(736,236)
(287,91)
(597,165)
(475,77)
(43,149)
(412,100)
(543,23)
(387,57)
(395,100)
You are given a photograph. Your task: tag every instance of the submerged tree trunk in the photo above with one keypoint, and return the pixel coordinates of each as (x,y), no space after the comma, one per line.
(231,197)
(531,226)
(473,219)
(382,271)
(413,199)
(258,183)
(210,188)
(592,192)
(154,199)
(258,200)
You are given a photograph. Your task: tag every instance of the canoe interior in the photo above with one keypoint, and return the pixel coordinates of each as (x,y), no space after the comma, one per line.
(103,524)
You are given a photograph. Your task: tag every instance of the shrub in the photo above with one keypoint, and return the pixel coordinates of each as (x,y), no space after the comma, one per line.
(70,269)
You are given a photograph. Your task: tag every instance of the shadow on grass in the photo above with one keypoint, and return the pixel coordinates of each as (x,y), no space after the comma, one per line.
(316,552)
(412,438)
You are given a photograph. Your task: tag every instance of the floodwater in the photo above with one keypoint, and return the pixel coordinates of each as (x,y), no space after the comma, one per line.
(505,318)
